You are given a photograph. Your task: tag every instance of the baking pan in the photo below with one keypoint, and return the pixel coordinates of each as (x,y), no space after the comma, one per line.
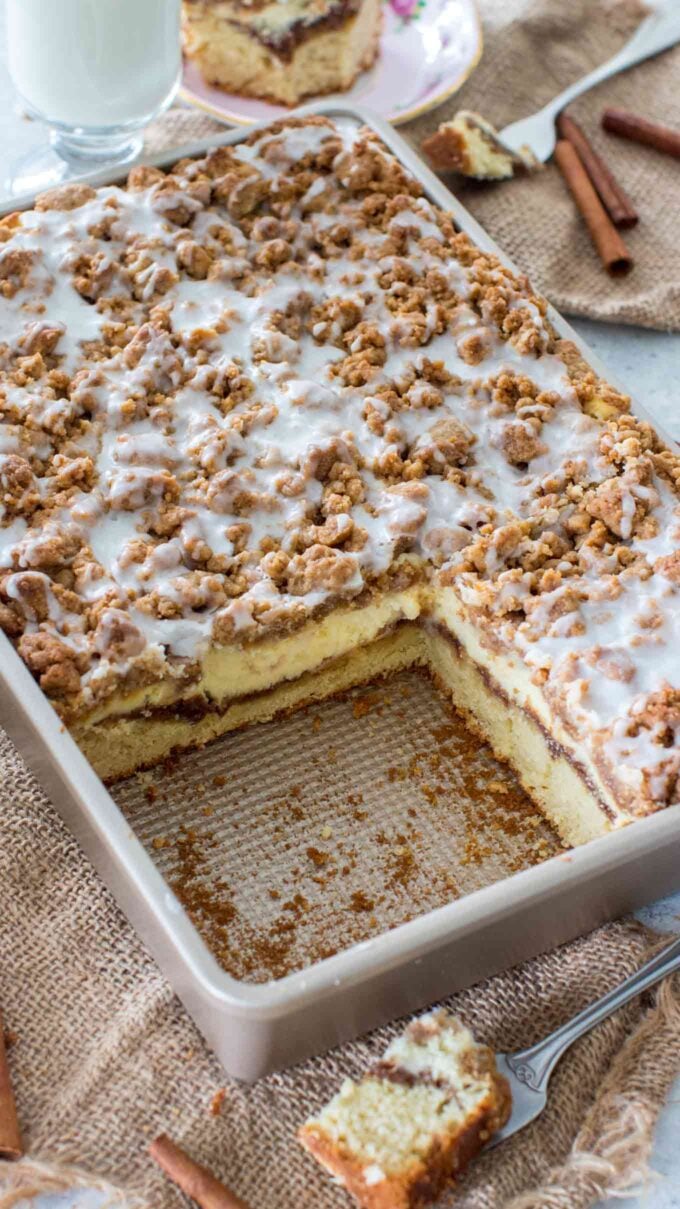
(259,1026)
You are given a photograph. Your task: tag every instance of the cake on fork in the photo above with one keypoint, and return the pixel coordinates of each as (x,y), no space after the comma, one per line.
(282,50)
(399,1135)
(470,145)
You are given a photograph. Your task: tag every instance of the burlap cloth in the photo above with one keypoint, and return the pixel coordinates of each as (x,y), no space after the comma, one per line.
(103,1055)
(532,50)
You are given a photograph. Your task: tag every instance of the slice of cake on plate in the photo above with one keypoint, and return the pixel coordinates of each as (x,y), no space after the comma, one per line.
(396,1137)
(282,50)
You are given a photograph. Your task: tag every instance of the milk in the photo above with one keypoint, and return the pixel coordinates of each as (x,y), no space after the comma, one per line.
(94,63)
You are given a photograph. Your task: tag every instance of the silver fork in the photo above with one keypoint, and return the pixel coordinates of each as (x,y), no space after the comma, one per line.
(528,1071)
(657,32)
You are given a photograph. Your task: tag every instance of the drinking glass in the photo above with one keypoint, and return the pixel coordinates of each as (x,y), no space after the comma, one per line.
(95,72)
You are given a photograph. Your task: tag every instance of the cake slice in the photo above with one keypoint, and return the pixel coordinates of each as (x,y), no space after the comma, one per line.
(415,1119)
(281,50)
(471,146)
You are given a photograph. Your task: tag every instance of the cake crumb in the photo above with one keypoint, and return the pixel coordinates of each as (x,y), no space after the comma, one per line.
(363,705)
(318,857)
(361,901)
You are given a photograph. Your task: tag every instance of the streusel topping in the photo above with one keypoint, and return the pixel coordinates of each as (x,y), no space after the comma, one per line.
(276,378)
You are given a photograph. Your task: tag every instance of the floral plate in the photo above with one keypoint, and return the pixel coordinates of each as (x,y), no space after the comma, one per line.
(428,48)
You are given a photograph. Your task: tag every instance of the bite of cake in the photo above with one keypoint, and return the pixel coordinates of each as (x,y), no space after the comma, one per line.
(412,1123)
(471,146)
(282,50)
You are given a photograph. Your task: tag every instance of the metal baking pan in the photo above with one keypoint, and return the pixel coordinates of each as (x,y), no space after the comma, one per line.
(258,1027)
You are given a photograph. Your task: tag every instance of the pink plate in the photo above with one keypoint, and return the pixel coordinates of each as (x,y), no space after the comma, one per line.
(428,48)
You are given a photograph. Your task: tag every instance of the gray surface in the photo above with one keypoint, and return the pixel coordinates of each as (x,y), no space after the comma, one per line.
(647,364)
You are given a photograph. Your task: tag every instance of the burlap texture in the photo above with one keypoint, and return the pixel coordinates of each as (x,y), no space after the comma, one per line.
(105,1057)
(533,50)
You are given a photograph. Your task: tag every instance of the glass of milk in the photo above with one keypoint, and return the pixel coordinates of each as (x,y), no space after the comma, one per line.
(95,71)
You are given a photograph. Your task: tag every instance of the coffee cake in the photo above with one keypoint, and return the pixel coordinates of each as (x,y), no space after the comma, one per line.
(470,145)
(272,426)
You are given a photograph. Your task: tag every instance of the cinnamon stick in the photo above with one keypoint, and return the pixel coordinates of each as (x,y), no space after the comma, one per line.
(641,130)
(617,203)
(196,1181)
(613,251)
(10,1136)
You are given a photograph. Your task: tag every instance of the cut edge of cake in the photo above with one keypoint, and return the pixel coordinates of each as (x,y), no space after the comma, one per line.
(471,146)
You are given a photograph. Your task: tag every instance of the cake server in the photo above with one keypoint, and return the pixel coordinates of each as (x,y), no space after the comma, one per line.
(528,1071)
(657,32)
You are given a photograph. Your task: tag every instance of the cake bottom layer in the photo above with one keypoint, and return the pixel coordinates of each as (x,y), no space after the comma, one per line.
(551,774)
